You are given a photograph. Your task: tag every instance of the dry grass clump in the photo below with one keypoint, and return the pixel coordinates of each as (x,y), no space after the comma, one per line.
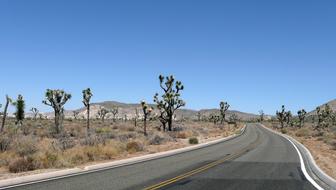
(37,147)
(303,132)
(134,146)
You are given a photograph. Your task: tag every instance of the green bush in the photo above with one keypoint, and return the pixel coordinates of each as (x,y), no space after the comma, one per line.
(284,131)
(193,140)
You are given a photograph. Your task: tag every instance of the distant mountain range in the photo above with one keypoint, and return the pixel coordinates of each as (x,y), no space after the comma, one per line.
(128,110)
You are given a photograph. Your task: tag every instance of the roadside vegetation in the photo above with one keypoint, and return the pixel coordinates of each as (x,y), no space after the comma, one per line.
(316,130)
(39,142)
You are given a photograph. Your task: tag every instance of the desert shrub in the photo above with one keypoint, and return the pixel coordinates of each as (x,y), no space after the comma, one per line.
(130,129)
(181,135)
(156,140)
(5,142)
(134,146)
(65,143)
(25,146)
(93,140)
(47,159)
(193,140)
(103,130)
(283,131)
(125,136)
(333,144)
(317,133)
(21,165)
(303,132)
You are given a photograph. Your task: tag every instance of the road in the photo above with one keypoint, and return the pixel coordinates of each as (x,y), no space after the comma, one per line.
(258,159)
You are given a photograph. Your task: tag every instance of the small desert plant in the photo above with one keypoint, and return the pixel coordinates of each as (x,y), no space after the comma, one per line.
(21,165)
(193,140)
(134,146)
(5,142)
(304,132)
(283,130)
(35,112)
(25,146)
(56,99)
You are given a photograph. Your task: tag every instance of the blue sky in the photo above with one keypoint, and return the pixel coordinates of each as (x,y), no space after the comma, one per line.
(253,54)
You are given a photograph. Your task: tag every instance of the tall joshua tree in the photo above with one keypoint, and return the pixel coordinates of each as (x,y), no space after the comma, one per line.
(288,117)
(8,101)
(224,106)
(87,94)
(75,114)
(146,111)
(19,113)
(56,99)
(199,116)
(171,100)
(301,115)
(35,112)
(281,116)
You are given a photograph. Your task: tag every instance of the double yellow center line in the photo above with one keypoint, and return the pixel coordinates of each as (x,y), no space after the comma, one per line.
(203,168)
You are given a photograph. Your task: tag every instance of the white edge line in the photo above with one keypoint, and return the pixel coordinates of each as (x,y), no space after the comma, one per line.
(303,168)
(24,180)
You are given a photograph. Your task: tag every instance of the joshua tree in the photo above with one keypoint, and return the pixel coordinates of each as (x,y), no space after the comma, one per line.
(136,116)
(171,100)
(281,116)
(125,118)
(301,115)
(262,115)
(114,112)
(233,119)
(288,117)
(199,116)
(75,114)
(224,106)
(214,118)
(87,94)
(102,112)
(35,112)
(40,116)
(19,114)
(8,100)
(163,119)
(146,111)
(56,99)
(323,117)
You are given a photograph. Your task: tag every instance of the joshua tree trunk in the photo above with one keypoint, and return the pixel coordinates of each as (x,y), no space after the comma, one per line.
(145,125)
(88,121)
(170,122)
(4,115)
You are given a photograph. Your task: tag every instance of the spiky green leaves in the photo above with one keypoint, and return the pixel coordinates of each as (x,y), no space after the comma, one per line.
(19,106)
(56,98)
(87,94)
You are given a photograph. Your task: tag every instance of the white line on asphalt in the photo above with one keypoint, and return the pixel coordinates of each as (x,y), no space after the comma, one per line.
(303,168)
